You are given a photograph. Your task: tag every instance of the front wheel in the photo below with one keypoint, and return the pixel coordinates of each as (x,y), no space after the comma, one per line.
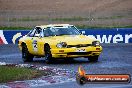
(26,56)
(48,55)
(93,58)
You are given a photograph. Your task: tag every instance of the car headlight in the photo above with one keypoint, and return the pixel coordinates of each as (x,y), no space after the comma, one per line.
(61,45)
(96,43)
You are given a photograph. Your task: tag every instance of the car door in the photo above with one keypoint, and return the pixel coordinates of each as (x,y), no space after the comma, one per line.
(37,43)
(29,40)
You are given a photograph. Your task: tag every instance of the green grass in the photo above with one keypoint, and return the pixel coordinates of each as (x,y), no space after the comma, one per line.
(15,28)
(80,26)
(8,74)
(63,19)
(24,19)
(95,27)
(71,19)
(66,19)
(48,19)
(111,17)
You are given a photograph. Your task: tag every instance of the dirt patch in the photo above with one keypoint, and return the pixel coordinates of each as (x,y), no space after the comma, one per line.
(96,11)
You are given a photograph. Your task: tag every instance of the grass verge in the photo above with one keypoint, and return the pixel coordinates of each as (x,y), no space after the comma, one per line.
(103,27)
(78,26)
(63,19)
(14,28)
(10,73)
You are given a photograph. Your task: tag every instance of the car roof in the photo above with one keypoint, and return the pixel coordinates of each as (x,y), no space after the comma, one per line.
(54,25)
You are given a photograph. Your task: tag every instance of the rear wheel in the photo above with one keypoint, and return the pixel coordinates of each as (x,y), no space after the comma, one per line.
(93,58)
(48,55)
(26,56)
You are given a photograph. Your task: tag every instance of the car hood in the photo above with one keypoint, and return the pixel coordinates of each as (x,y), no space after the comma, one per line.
(71,39)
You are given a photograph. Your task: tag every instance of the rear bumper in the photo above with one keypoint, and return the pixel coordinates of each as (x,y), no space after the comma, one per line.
(74,52)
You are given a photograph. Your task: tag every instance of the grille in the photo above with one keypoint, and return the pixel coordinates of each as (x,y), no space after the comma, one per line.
(78,53)
(79,45)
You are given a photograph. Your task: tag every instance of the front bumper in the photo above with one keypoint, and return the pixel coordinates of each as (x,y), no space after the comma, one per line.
(76,52)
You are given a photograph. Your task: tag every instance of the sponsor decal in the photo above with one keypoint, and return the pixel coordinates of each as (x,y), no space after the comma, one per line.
(15,37)
(12,36)
(113,38)
(80,50)
(116,35)
(1,41)
(83,78)
(2,38)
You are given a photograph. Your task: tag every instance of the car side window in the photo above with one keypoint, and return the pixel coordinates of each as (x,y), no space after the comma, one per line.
(42,33)
(48,32)
(31,33)
(37,32)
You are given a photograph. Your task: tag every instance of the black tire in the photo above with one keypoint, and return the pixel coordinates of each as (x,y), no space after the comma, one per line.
(26,56)
(48,55)
(93,58)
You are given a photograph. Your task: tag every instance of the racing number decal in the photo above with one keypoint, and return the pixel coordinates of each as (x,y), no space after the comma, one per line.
(35,47)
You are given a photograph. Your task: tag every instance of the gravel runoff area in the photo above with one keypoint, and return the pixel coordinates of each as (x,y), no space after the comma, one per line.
(115,59)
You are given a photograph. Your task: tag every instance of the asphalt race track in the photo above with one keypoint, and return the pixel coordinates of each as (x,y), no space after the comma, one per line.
(115,59)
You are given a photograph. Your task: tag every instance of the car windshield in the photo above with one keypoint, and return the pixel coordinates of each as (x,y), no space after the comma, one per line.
(59,31)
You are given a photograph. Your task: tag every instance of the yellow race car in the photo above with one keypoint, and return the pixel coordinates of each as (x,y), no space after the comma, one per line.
(58,41)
